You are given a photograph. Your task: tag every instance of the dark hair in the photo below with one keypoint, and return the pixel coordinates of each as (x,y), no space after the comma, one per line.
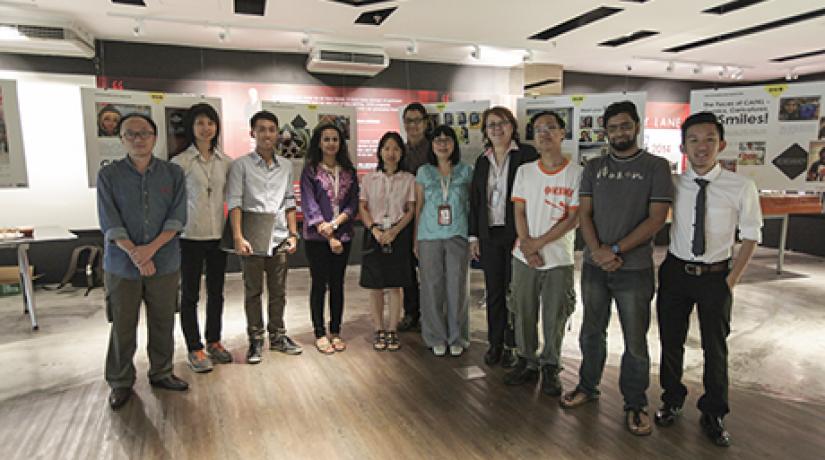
(314,153)
(197,110)
(263,115)
(621,107)
(137,115)
(390,135)
(107,108)
(449,132)
(417,106)
(545,113)
(700,118)
(501,112)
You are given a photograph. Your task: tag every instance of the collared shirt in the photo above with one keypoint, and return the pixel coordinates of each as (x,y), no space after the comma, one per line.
(458,199)
(138,207)
(257,187)
(497,186)
(732,201)
(416,156)
(205,192)
(387,195)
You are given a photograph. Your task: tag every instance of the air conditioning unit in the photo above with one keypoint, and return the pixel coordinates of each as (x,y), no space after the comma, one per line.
(338,59)
(51,40)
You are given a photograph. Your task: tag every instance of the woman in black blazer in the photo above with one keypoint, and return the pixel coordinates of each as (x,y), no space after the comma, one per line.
(492,227)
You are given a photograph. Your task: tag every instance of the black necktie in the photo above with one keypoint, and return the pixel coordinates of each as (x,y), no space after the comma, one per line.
(698,246)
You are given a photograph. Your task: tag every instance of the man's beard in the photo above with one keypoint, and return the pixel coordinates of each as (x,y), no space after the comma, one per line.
(621,146)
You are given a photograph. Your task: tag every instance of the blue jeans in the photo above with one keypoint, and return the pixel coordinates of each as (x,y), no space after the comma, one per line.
(632,290)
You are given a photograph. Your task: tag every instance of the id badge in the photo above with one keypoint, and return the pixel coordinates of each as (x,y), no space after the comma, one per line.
(445,215)
(496,197)
(385,223)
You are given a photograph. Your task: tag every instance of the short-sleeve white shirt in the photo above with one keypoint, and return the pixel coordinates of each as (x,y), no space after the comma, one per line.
(548,197)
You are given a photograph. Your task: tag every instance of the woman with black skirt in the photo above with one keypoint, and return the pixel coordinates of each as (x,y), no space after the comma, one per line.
(386,206)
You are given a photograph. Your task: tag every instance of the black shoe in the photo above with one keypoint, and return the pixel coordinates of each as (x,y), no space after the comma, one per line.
(170,383)
(119,397)
(521,374)
(714,428)
(550,382)
(493,355)
(255,352)
(408,324)
(509,358)
(667,415)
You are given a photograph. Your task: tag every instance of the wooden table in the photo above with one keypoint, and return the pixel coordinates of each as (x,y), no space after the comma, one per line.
(41,234)
(781,207)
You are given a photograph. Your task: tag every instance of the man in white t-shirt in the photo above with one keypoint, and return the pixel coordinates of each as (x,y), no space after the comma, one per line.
(546,200)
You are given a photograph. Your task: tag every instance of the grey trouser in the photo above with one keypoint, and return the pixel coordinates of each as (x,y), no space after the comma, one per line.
(253,268)
(553,290)
(123,298)
(442,267)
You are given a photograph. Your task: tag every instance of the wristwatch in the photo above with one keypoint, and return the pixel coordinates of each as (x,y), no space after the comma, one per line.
(615,249)
(294,235)
(334,225)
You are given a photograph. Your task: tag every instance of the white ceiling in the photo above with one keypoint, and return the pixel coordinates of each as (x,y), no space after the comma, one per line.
(500,27)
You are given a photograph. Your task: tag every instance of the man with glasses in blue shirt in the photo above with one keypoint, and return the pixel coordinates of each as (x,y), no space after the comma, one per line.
(141,203)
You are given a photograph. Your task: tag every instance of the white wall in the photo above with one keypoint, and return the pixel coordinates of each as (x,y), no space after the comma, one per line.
(52,121)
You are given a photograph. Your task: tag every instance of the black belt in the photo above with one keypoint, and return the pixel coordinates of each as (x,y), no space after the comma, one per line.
(699,268)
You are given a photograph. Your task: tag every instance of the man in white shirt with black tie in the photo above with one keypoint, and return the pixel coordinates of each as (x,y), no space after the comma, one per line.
(709,204)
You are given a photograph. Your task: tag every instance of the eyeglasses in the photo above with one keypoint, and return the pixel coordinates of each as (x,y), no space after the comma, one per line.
(545,129)
(132,135)
(492,126)
(628,126)
(443,140)
(413,121)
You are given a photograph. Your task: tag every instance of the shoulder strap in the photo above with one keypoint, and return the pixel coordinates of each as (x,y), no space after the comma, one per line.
(72,268)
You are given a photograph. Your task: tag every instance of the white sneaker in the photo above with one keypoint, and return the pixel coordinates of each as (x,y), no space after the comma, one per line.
(440,350)
(456,350)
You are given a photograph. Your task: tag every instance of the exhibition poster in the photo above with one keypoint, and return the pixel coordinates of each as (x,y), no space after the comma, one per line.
(103,109)
(585,134)
(12,157)
(465,119)
(775,134)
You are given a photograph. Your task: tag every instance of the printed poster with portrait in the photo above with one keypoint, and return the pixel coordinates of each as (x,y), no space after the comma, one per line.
(465,119)
(296,123)
(103,109)
(12,156)
(774,133)
(585,132)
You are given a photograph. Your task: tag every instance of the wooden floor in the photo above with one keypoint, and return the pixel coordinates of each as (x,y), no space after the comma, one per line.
(361,404)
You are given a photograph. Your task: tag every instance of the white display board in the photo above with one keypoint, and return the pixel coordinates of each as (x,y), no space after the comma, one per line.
(774,133)
(297,122)
(12,156)
(102,109)
(582,114)
(465,119)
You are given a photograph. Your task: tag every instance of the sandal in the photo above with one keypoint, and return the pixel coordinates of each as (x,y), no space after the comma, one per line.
(324,346)
(393,344)
(338,343)
(638,422)
(576,398)
(380,341)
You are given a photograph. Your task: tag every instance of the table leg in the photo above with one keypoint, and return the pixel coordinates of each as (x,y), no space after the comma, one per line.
(28,288)
(783,238)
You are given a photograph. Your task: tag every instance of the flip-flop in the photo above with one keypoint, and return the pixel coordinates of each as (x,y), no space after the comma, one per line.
(576,398)
(324,346)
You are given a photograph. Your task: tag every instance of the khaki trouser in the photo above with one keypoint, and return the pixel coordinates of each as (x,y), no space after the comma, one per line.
(253,268)
(553,291)
(123,299)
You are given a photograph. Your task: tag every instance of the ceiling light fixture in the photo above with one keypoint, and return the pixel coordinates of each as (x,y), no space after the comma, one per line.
(137,28)
(529,56)
(670,67)
(697,69)
(223,34)
(476,52)
(412,47)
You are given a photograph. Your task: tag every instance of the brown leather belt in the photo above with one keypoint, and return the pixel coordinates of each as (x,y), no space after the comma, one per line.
(699,268)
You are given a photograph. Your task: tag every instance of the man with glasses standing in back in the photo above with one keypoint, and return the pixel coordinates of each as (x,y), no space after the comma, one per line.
(415,126)
(141,202)
(624,200)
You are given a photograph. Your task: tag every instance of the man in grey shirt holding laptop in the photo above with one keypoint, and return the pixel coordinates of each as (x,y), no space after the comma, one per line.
(260,199)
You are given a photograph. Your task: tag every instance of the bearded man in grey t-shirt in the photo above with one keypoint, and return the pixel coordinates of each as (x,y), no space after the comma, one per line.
(624,200)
